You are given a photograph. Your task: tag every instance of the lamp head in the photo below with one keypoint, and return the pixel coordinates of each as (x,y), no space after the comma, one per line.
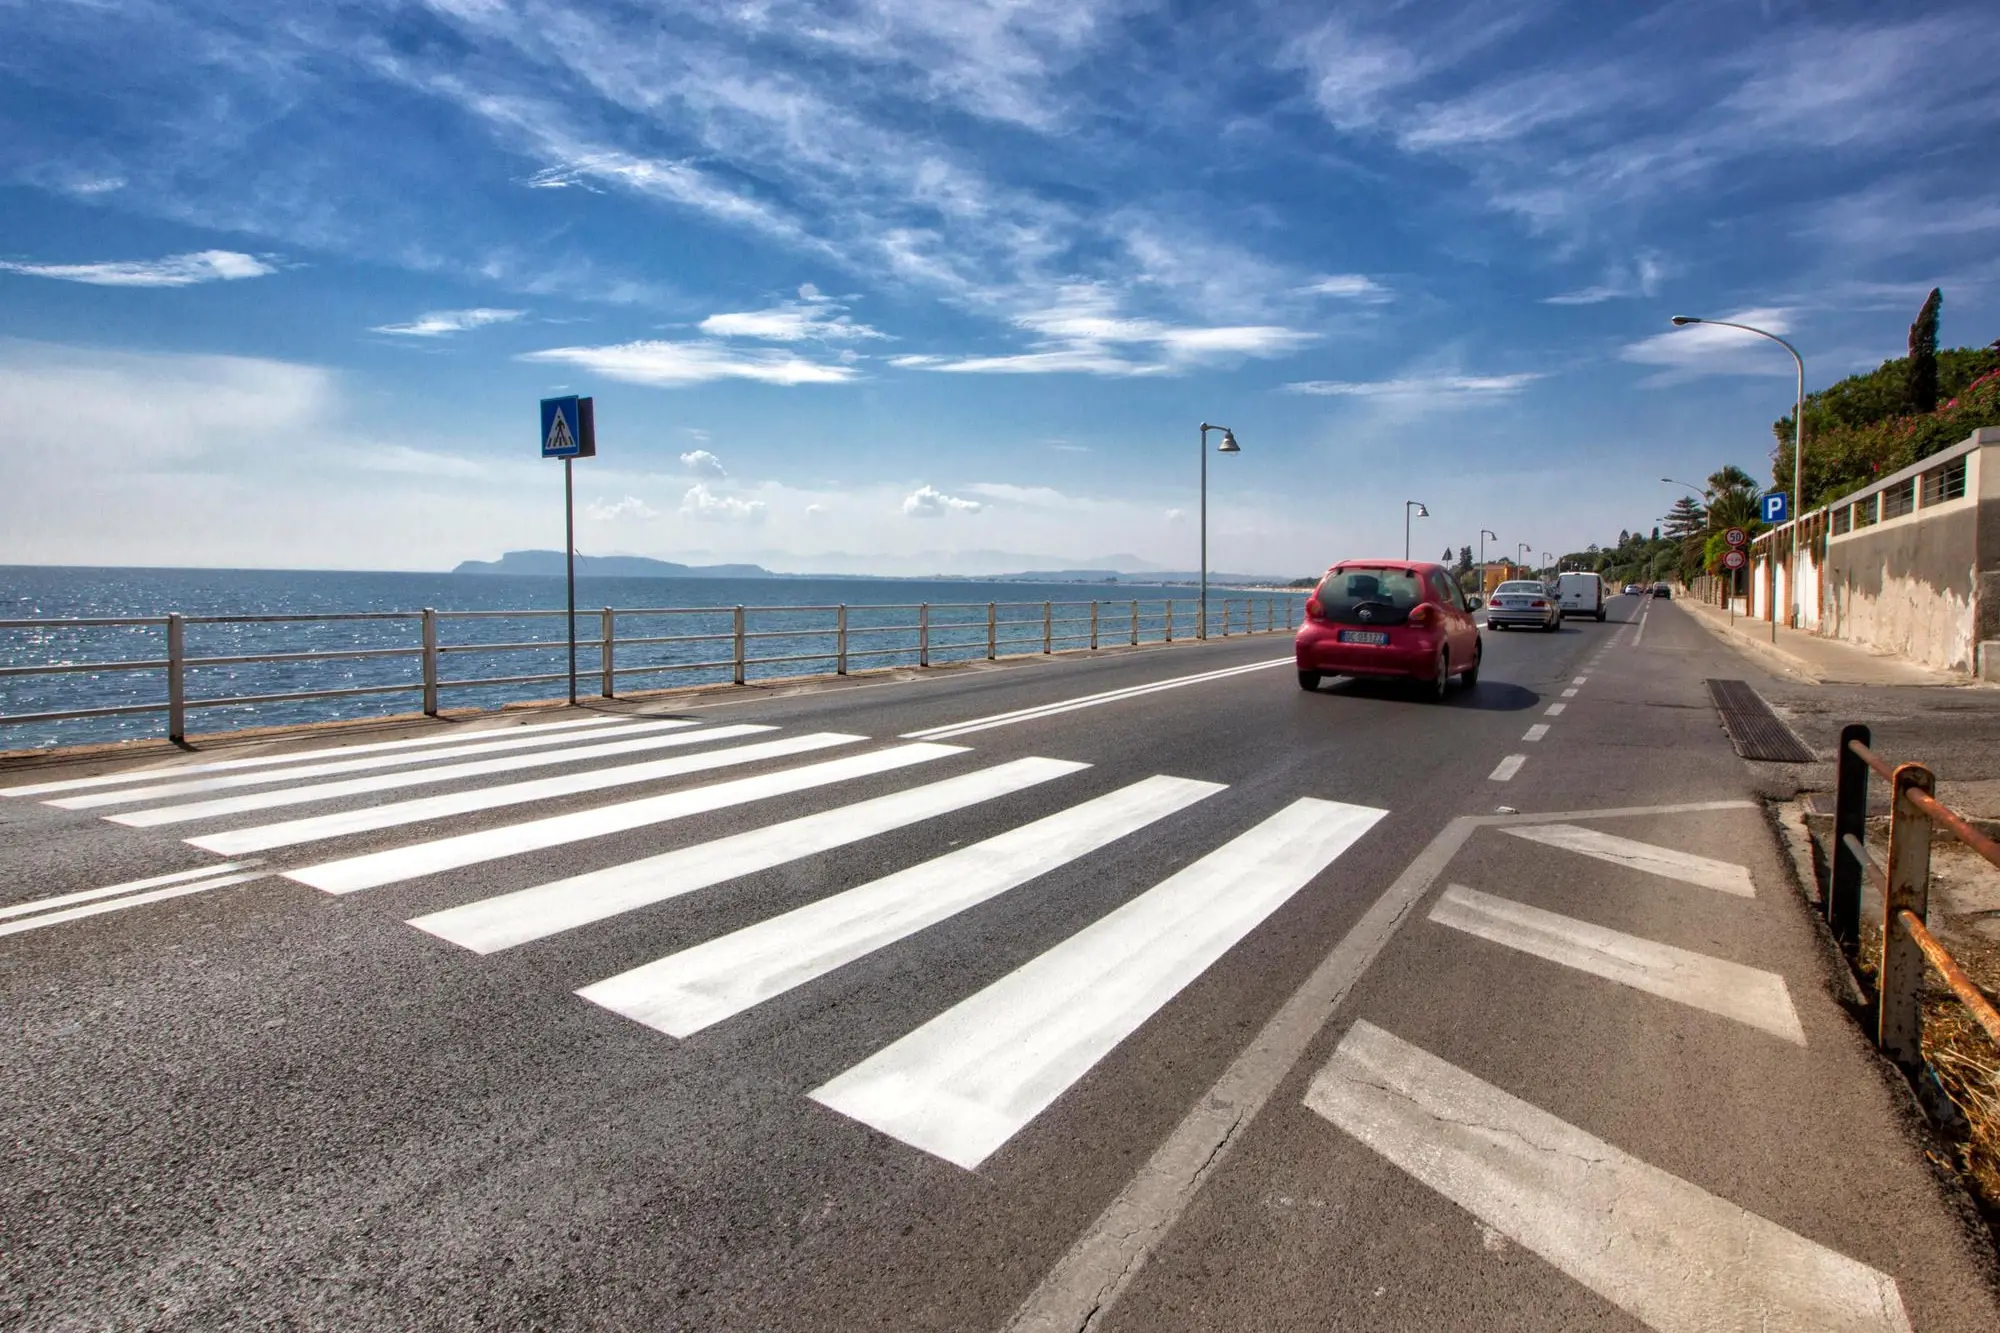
(1228,445)
(1421,511)
(1686,319)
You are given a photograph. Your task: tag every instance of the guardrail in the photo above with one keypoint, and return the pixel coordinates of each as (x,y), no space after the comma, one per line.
(837,635)
(1904,877)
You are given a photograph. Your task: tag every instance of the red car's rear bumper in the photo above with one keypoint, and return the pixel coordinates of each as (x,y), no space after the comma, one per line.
(1409,652)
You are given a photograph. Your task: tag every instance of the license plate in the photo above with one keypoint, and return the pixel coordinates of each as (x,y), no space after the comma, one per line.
(1364,636)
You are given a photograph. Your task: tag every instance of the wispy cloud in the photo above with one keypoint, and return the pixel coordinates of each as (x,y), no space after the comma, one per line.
(442,323)
(929,502)
(1710,349)
(703,463)
(631,506)
(811,317)
(702,503)
(1641,279)
(172,271)
(1419,387)
(1349,287)
(673,364)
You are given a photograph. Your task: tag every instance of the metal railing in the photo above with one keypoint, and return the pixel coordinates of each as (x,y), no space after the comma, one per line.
(1904,877)
(839,636)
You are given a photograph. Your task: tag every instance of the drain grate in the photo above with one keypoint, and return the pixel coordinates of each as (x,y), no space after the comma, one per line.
(1756,731)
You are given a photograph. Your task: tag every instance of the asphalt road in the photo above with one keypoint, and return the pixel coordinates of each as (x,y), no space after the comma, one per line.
(1076,992)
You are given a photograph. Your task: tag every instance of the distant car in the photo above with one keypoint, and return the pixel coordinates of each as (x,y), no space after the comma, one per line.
(1663,592)
(1394,618)
(1630,590)
(1580,594)
(1523,603)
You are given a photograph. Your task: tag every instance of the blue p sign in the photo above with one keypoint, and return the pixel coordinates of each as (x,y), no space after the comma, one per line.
(1775,507)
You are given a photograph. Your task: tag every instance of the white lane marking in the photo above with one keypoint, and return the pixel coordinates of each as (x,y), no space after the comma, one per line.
(695,988)
(1554,710)
(341,823)
(1746,994)
(1665,1251)
(1640,633)
(131,900)
(1726,876)
(1507,768)
(1580,679)
(153,816)
(508,919)
(292,757)
(330,768)
(1569,693)
(1087,701)
(113,890)
(964,1083)
(400,863)
(1536,732)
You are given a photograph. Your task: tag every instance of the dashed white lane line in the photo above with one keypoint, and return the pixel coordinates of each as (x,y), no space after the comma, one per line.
(971,725)
(130,900)
(685,992)
(1507,768)
(1536,732)
(1569,693)
(964,1083)
(1666,1251)
(1747,994)
(1723,876)
(113,890)
(1580,679)
(1640,633)
(505,920)
(1554,710)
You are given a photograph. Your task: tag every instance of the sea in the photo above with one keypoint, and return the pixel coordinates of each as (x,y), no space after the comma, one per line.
(667,632)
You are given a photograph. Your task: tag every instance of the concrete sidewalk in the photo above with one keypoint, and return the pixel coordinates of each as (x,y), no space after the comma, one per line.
(1812,658)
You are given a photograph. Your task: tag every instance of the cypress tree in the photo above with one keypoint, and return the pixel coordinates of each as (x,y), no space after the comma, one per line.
(1923,371)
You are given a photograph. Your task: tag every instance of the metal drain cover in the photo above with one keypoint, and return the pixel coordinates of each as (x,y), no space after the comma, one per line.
(1756,731)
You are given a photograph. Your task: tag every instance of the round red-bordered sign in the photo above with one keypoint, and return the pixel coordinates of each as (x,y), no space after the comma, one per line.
(1736,536)
(1733,560)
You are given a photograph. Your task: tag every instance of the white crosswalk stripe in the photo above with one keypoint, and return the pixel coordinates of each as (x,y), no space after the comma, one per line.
(114,890)
(332,767)
(341,823)
(374,869)
(688,991)
(1724,876)
(188,812)
(1666,1251)
(1746,994)
(127,777)
(967,1081)
(492,924)
(179,889)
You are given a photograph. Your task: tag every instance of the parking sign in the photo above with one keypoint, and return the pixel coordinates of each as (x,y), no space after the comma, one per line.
(1775,507)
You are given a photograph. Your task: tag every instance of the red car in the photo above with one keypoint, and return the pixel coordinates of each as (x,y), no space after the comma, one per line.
(1389,618)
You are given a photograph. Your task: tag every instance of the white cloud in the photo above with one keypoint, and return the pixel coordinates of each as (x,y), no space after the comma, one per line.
(629,507)
(1418,387)
(671,364)
(173,271)
(811,317)
(1044,497)
(929,502)
(1710,349)
(1641,279)
(702,503)
(1348,286)
(438,323)
(415,462)
(1177,516)
(703,463)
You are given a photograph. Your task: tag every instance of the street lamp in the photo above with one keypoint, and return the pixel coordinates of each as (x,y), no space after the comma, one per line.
(1798,455)
(1228,446)
(1422,512)
(1483,535)
(1698,490)
(1522,551)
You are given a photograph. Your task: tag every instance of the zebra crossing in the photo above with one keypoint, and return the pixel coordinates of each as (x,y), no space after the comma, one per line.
(958,1086)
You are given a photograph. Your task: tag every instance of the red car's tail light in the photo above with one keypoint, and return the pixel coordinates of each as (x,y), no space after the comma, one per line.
(1424,615)
(1313,608)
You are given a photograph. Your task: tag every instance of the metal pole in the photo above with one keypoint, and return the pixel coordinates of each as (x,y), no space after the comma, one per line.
(1170,620)
(1850,820)
(608,687)
(923,634)
(176,678)
(1048,626)
(992,631)
(1798,479)
(1201,614)
(569,556)
(840,639)
(1093,626)
(1135,622)
(430,660)
(1899,1000)
(738,663)
(1406,529)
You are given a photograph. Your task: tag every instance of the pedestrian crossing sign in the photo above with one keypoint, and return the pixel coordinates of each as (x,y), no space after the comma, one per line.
(569,428)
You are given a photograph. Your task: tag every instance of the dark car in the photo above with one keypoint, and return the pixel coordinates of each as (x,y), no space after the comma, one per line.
(1663,592)
(1389,618)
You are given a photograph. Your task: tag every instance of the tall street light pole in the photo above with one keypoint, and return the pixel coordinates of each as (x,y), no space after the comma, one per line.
(1522,550)
(1483,535)
(1422,512)
(1228,446)
(1798,457)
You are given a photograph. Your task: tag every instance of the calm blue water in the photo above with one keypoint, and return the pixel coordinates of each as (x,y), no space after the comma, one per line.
(876,628)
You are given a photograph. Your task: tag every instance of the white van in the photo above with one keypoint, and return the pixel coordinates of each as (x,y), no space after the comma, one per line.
(1580,595)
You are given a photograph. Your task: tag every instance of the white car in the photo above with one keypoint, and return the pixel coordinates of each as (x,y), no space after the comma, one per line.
(1581,595)
(1522,604)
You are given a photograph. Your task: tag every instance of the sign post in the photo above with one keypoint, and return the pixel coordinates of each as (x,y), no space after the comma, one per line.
(1733,561)
(569,432)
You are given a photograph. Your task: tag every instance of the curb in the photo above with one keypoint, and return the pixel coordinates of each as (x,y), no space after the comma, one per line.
(1706,617)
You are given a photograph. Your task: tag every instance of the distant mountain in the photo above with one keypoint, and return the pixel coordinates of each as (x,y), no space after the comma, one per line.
(607,566)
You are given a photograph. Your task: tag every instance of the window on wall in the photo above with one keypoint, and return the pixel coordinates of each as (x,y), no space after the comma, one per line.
(1843,519)
(1899,499)
(1945,482)
(1864,512)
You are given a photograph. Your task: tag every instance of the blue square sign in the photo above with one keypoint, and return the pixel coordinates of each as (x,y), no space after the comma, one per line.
(1775,507)
(569,428)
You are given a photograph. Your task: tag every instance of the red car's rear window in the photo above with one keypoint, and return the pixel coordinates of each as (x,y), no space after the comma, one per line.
(1391,593)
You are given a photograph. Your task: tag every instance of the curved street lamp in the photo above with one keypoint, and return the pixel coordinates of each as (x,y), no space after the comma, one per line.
(1798,454)
(1422,512)
(1483,535)
(1228,446)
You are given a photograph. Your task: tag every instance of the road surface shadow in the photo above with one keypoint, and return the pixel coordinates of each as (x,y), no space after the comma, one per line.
(1490,696)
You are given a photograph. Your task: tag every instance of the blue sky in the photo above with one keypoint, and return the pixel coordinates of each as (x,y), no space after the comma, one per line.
(887,286)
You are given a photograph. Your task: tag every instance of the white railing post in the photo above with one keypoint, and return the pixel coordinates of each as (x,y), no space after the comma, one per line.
(1048,627)
(1093,626)
(739,663)
(1225,617)
(430,660)
(923,634)
(840,639)
(992,631)
(609,686)
(176,678)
